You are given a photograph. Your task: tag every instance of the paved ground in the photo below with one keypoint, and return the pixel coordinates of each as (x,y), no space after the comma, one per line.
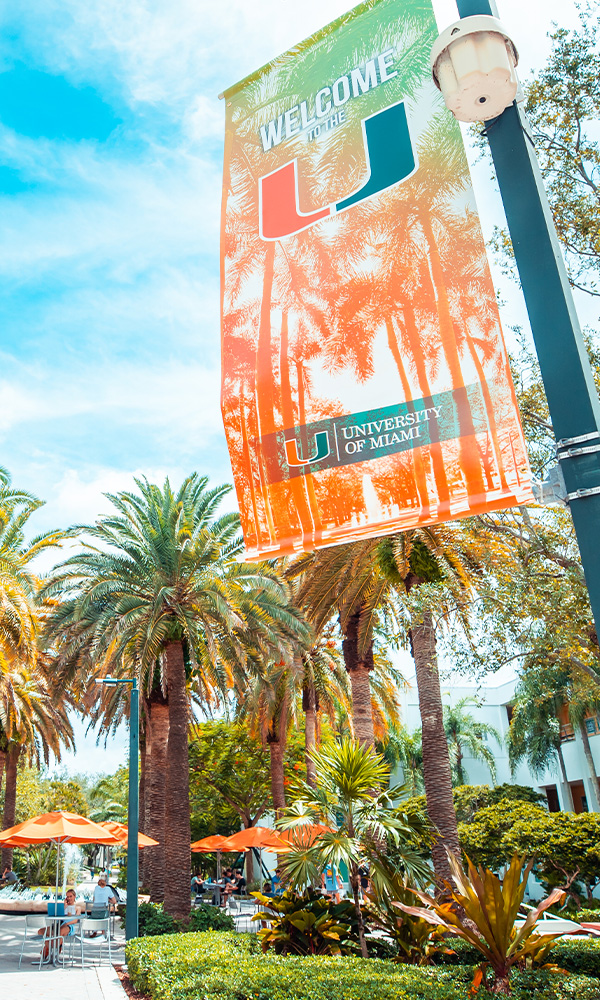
(49,983)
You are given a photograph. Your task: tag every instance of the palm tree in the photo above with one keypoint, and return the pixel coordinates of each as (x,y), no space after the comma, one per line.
(157,584)
(406,749)
(534,731)
(352,797)
(381,573)
(463,730)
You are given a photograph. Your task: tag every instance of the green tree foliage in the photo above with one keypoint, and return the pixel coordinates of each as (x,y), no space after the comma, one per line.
(229,777)
(565,847)
(563,107)
(352,797)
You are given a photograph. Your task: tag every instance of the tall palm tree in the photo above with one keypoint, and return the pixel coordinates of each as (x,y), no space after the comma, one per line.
(464,731)
(33,723)
(384,572)
(157,583)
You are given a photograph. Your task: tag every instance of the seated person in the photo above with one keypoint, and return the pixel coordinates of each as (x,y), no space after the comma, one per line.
(67,926)
(239,883)
(104,896)
(197,885)
(9,877)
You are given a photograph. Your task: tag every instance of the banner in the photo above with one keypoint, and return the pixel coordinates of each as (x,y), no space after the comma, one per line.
(365,383)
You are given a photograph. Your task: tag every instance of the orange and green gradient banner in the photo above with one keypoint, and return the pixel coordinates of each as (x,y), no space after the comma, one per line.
(365,383)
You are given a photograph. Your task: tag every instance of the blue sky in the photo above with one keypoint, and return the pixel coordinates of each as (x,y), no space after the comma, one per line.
(110,166)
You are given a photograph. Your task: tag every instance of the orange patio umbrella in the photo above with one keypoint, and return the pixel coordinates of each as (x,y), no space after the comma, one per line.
(119,830)
(255,836)
(216,843)
(56,828)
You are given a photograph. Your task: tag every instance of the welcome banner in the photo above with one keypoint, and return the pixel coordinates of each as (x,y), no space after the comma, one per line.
(365,383)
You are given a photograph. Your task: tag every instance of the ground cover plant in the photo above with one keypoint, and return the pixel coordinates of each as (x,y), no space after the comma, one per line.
(232,967)
(575,955)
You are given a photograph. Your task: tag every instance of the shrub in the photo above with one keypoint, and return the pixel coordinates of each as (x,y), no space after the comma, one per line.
(153,920)
(229,967)
(579,955)
(210,918)
(586,915)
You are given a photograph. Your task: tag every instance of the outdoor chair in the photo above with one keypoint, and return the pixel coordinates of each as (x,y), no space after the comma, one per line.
(96,926)
(33,922)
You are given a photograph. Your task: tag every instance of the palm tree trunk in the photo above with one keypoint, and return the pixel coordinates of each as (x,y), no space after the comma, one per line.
(177,789)
(436,759)
(354,878)
(595,805)
(566,786)
(358,670)
(10,798)
(309,707)
(158,734)
(276,750)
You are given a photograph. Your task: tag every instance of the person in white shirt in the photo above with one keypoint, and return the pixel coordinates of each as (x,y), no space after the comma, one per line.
(104,897)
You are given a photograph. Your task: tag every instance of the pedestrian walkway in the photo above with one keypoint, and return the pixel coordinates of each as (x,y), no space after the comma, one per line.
(49,983)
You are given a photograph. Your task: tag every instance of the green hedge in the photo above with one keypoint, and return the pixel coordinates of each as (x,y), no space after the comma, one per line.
(586,916)
(577,955)
(229,966)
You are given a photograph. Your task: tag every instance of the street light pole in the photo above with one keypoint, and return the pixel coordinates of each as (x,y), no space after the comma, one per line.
(564,364)
(131,912)
(133,808)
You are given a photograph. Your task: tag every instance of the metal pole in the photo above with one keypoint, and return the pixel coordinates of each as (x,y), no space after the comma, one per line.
(564,364)
(131,913)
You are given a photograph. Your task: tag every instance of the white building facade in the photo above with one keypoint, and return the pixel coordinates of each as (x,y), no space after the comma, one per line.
(494,695)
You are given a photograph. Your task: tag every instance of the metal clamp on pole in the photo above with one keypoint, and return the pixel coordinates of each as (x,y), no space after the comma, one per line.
(581,494)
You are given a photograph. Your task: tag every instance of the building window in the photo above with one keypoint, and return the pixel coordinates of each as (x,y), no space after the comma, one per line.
(509,712)
(552,796)
(567,733)
(590,725)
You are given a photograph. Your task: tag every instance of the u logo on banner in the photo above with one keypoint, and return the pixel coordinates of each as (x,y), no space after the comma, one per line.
(322,450)
(390,158)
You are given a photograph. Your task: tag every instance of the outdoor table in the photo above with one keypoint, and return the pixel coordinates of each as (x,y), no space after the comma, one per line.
(53,940)
(217,890)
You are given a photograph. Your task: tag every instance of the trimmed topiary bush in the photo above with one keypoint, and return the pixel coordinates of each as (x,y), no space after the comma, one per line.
(230,967)
(153,920)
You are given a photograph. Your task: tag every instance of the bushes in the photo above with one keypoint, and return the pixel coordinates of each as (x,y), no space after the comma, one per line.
(152,920)
(231,967)
(578,955)
(210,918)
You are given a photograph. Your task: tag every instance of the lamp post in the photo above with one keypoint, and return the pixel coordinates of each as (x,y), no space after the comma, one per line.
(131,912)
(564,364)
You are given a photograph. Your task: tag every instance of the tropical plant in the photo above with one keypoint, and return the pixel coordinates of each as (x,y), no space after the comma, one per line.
(306,924)
(418,942)
(157,589)
(353,799)
(482,909)
(464,731)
